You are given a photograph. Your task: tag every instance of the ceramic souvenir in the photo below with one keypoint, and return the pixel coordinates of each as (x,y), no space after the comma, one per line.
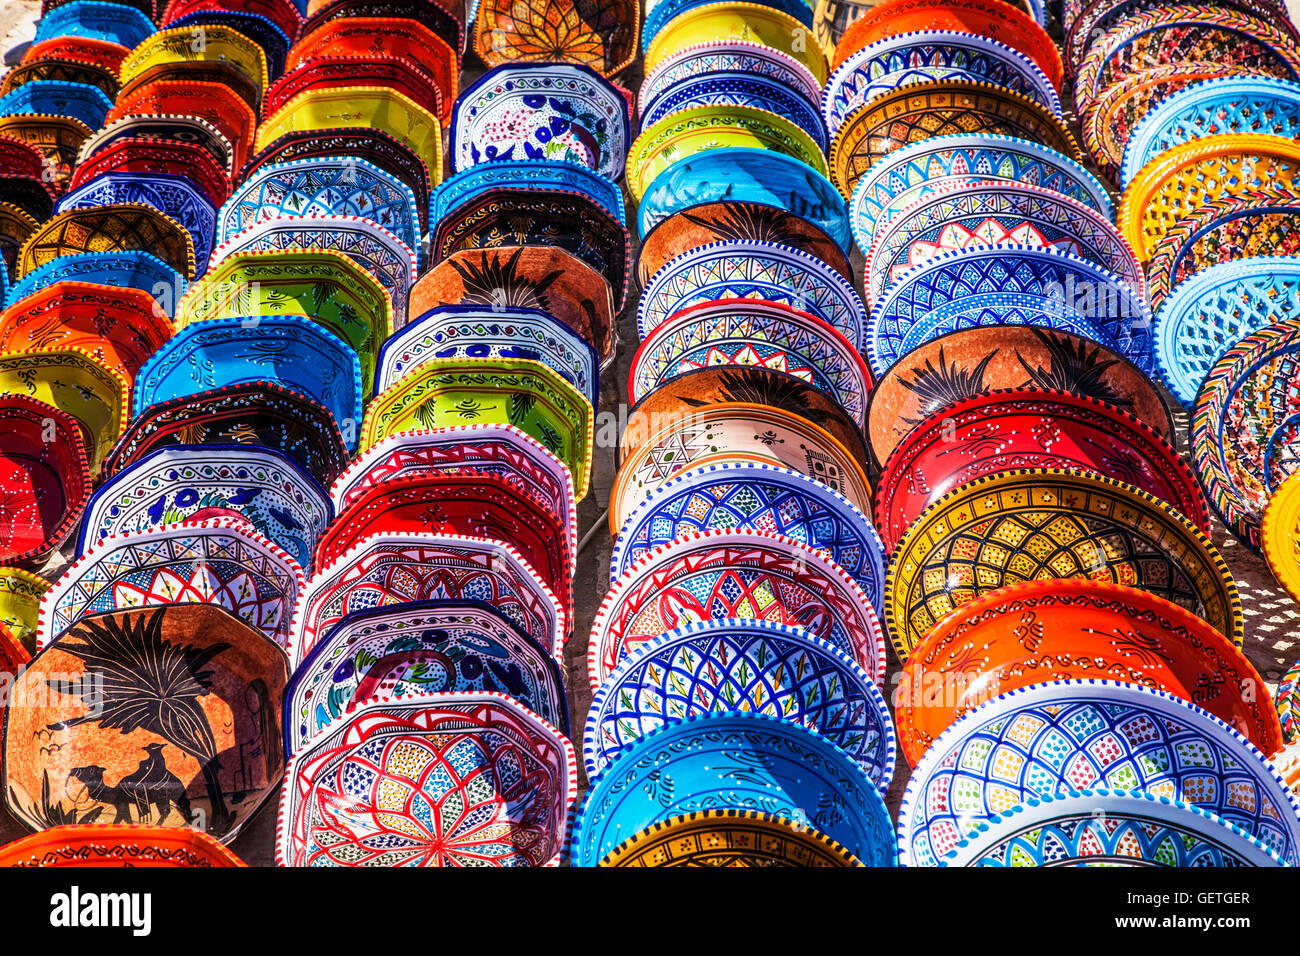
(221,43)
(601,36)
(1285,701)
(269,38)
(131,269)
(139,151)
(58,98)
(24,181)
(114,845)
(659,12)
(114,228)
(20,604)
(729,838)
(733,22)
(198,693)
(44,477)
(63,71)
(57,138)
(743,57)
(737,89)
(214,103)
(283,13)
(16,227)
(91,19)
(321,72)
(102,53)
(1279,535)
(219,71)
(542,174)
(447,19)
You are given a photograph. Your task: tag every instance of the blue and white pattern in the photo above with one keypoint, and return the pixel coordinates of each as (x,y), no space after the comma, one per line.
(738,89)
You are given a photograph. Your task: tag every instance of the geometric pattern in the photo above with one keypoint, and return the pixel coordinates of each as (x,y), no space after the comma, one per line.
(729,838)
(735,57)
(737,89)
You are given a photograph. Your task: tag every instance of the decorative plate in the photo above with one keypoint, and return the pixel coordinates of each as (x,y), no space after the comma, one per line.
(111,22)
(733,430)
(526,277)
(114,845)
(58,98)
(751,665)
(995,213)
(732,22)
(737,89)
(130,269)
(733,574)
(1218,306)
(259,413)
(920,110)
(390,569)
(755,495)
(44,477)
(659,12)
(220,43)
(1243,425)
(199,693)
(729,56)
(282,502)
(286,349)
(601,36)
(416,649)
(1028,428)
(115,228)
(452,332)
(519,392)
(541,174)
(1108,828)
(220,561)
(542,111)
(1060,630)
(748,269)
(1046,523)
(907,58)
(1285,700)
(1008,285)
(729,838)
(733,760)
(1280,541)
(1056,737)
(434,780)
(20,604)
(141,150)
(320,72)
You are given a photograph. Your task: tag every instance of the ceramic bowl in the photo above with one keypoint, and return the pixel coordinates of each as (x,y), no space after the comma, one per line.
(1108,828)
(733,574)
(20,604)
(418,648)
(217,71)
(1028,428)
(103,53)
(477,332)
(748,269)
(602,37)
(445,18)
(283,13)
(114,845)
(256,413)
(325,71)
(518,392)
(22,165)
(971,362)
(91,19)
(44,477)
(730,23)
(1063,735)
(57,138)
(1278,534)
(1060,630)
(737,89)
(695,764)
(482,782)
(268,37)
(749,57)
(201,692)
(1044,523)
(220,43)
(1242,423)
(392,569)
(131,269)
(1016,285)
(220,561)
(734,430)
(139,149)
(756,666)
(542,111)
(283,503)
(754,495)
(58,98)
(659,12)
(543,174)
(61,71)
(752,332)
(733,838)
(108,229)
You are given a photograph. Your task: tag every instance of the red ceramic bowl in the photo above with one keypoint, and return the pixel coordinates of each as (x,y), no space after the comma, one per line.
(44,477)
(189,161)
(216,103)
(320,72)
(117,844)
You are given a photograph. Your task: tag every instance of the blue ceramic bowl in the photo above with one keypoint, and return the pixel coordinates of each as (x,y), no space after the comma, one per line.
(541,174)
(80,101)
(663,11)
(257,28)
(113,22)
(1051,738)
(131,269)
(734,760)
(738,89)
(751,665)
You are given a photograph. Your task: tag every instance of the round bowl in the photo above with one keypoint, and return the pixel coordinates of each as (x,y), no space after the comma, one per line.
(731,838)
(731,22)
(117,844)
(112,228)
(44,477)
(601,36)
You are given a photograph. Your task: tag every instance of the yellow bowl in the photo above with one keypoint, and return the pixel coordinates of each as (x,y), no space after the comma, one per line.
(187,44)
(20,604)
(698,128)
(373,107)
(728,22)
(1280,535)
(115,228)
(730,838)
(1188,176)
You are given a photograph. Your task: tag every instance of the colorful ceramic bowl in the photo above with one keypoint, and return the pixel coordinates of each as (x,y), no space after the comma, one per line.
(1055,630)
(732,22)
(407,77)
(217,104)
(22,167)
(1205,315)
(115,228)
(1028,428)
(58,98)
(101,53)
(283,503)
(268,37)
(57,138)
(752,332)
(1108,828)
(390,569)
(601,36)
(748,57)
(447,19)
(220,561)
(542,174)
(20,604)
(44,477)
(283,13)
(788,771)
(730,838)
(218,71)
(1063,735)
(1014,285)
(518,392)
(131,269)
(151,145)
(659,12)
(1278,538)
(414,649)
(117,844)
(433,780)
(111,22)
(1045,523)
(199,690)
(754,495)
(220,43)
(739,89)
(542,111)
(751,665)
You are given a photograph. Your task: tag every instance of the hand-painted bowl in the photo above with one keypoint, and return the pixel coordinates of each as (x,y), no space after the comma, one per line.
(112,22)
(544,174)
(108,229)
(197,689)
(107,54)
(417,648)
(131,269)
(20,604)
(326,71)
(1280,538)
(602,36)
(283,13)
(1044,523)
(1108,828)
(1028,428)
(659,12)
(733,574)
(44,477)
(755,495)
(186,147)
(975,361)
(739,88)
(430,780)
(117,845)
(1061,630)
(215,103)
(1060,736)
(23,167)
(733,760)
(269,37)
(729,56)
(392,569)
(731,838)
(220,43)
(58,98)
(731,22)
(431,34)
